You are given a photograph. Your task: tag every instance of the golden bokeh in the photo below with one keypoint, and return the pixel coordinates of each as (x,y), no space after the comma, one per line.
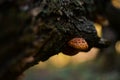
(61,60)
(117,46)
(98,28)
(116,3)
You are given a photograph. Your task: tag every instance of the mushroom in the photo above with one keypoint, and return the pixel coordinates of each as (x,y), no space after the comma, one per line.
(78,43)
(74,46)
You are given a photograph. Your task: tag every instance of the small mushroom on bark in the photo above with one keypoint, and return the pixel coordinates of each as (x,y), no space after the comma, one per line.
(75,45)
(78,43)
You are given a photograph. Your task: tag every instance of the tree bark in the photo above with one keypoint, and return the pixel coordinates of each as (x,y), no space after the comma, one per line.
(34,30)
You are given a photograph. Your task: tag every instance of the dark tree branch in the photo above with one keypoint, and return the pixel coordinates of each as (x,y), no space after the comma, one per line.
(34,30)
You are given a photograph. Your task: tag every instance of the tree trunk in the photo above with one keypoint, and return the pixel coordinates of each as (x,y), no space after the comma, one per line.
(34,30)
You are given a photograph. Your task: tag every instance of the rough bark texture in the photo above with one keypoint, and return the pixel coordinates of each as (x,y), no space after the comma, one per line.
(41,29)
